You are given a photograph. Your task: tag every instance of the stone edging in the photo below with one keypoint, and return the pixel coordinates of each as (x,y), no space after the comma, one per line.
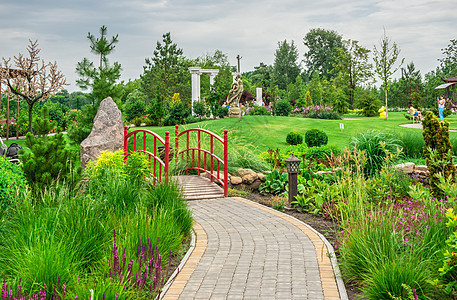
(332,282)
(178,280)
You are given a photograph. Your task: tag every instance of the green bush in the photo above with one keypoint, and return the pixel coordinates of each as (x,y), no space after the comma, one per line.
(448,270)
(339,102)
(282,108)
(326,115)
(134,108)
(57,113)
(12,180)
(315,138)
(138,121)
(199,109)
(368,103)
(222,112)
(80,123)
(256,110)
(322,152)
(294,138)
(192,119)
(389,183)
(177,114)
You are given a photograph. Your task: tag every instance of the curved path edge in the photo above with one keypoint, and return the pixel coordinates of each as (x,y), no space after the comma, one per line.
(328,267)
(178,280)
(324,261)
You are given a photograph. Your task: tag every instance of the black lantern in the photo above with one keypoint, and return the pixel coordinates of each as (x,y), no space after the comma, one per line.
(292,164)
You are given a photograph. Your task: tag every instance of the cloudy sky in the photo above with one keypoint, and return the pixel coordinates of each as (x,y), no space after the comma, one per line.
(251,29)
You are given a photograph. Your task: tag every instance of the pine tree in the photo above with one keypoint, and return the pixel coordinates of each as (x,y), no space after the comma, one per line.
(48,159)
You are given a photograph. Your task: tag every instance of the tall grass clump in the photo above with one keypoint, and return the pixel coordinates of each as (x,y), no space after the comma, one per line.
(412,143)
(375,144)
(169,196)
(391,248)
(56,241)
(33,250)
(12,181)
(161,226)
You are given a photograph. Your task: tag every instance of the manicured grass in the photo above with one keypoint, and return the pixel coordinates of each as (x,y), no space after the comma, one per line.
(263,132)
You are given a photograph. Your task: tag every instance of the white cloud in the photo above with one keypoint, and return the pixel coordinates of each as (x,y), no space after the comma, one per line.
(250,28)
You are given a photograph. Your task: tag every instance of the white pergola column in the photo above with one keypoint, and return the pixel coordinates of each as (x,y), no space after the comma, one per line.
(259,101)
(212,74)
(195,71)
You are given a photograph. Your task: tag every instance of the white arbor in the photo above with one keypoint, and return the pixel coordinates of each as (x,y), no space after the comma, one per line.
(196,72)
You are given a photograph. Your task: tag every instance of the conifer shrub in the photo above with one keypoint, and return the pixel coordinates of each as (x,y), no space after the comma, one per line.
(294,138)
(437,151)
(48,159)
(315,138)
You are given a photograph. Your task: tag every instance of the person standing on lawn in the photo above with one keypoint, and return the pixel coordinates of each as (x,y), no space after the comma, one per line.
(441,104)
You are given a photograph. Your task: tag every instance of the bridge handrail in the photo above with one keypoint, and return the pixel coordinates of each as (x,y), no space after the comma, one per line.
(166,142)
(212,135)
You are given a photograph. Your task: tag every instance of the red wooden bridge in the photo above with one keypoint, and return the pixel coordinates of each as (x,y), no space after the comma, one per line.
(190,158)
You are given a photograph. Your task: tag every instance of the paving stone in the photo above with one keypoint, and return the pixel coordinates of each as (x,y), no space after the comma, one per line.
(251,254)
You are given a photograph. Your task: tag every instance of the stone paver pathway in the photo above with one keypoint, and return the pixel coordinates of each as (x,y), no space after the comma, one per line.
(246,251)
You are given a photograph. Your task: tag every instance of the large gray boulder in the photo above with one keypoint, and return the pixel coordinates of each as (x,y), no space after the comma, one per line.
(107,132)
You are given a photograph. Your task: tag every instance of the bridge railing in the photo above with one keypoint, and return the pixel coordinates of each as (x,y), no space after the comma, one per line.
(204,160)
(158,159)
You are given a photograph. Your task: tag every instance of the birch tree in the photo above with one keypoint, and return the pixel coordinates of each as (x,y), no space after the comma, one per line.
(385,58)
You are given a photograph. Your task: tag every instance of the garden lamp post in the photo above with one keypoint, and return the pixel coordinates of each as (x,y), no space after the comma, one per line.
(292,164)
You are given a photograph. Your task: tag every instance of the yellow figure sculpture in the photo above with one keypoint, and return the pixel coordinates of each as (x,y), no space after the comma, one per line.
(382,112)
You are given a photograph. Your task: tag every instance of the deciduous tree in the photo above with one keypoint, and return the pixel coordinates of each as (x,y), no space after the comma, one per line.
(285,68)
(32,79)
(352,62)
(322,51)
(449,61)
(385,58)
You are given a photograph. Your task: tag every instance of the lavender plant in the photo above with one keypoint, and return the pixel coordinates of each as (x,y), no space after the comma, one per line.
(143,274)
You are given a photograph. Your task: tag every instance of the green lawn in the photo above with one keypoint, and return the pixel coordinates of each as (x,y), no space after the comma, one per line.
(265,132)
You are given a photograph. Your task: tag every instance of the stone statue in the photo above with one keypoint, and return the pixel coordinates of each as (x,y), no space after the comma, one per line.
(234,96)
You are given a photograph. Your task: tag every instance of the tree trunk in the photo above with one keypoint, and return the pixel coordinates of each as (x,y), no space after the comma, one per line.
(30,118)
(385,91)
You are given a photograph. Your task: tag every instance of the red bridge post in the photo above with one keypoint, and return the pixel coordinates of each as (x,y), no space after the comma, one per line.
(176,142)
(125,143)
(225,164)
(167,155)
